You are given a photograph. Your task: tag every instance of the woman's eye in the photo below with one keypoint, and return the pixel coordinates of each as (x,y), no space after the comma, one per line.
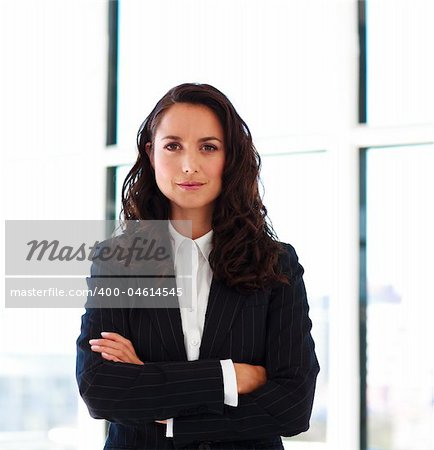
(172,147)
(209,148)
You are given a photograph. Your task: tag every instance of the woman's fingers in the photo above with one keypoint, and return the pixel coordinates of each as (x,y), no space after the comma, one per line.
(107,343)
(118,339)
(118,355)
(114,337)
(115,341)
(116,347)
(110,357)
(111,347)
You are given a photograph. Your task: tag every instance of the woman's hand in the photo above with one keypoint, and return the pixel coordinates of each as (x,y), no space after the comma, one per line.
(115,347)
(249,377)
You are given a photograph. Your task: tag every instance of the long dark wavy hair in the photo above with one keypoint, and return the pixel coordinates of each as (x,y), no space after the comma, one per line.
(245,251)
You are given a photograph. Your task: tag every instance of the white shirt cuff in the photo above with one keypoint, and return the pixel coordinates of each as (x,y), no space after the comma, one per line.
(229,382)
(230,389)
(169,428)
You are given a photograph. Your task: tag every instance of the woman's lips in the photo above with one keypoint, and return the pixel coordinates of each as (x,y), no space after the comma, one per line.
(190,186)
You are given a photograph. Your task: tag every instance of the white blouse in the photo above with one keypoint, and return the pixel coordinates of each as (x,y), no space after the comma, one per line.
(194,276)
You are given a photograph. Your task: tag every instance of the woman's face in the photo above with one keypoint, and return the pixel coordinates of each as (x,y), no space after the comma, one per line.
(188,156)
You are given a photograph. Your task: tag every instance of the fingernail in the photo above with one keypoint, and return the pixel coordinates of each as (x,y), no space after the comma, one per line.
(104,333)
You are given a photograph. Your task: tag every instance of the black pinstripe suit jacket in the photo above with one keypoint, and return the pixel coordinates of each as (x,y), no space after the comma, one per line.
(269,327)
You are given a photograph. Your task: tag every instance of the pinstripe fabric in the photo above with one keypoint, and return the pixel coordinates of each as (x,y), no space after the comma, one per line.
(269,327)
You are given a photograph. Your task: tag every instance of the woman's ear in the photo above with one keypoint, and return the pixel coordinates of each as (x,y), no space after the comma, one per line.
(150,152)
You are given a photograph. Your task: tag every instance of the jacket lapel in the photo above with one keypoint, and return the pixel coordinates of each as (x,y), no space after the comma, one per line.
(222,309)
(168,325)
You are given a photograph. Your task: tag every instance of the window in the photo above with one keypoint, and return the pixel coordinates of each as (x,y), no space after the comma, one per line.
(397,160)
(400,68)
(399,309)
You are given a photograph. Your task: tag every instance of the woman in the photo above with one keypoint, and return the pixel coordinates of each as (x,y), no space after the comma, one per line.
(237,368)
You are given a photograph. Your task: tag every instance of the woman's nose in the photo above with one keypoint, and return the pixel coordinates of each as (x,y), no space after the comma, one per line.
(190,162)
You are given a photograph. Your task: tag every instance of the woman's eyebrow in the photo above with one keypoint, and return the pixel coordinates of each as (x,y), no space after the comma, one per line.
(177,138)
(207,138)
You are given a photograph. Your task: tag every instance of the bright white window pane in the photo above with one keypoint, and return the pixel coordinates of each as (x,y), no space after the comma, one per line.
(297,197)
(280,62)
(400,69)
(400,309)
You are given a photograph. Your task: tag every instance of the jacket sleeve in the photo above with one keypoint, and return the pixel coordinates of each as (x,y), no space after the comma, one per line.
(133,394)
(283,405)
